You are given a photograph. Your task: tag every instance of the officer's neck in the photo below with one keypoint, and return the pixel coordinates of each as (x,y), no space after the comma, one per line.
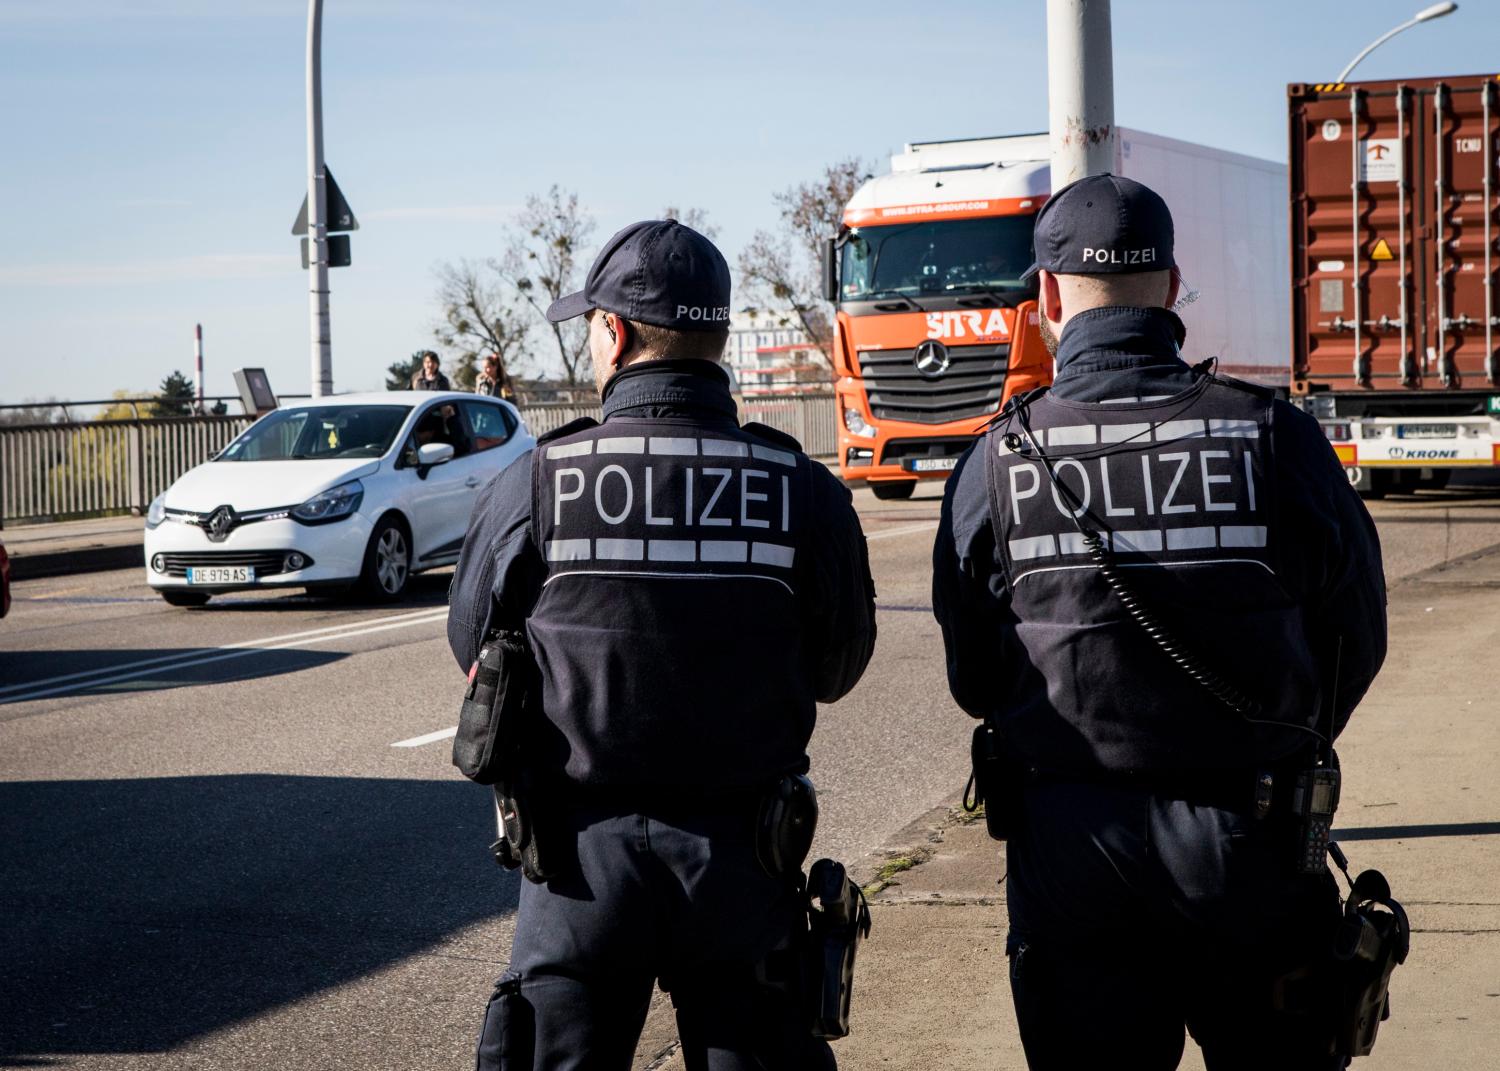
(671,381)
(1115,330)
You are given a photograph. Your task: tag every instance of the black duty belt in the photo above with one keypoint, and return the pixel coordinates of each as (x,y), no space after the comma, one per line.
(1260,793)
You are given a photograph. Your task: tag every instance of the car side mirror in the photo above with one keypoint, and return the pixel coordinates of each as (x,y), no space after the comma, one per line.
(831,270)
(430,454)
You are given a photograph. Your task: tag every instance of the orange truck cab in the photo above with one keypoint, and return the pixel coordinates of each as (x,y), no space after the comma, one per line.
(934,330)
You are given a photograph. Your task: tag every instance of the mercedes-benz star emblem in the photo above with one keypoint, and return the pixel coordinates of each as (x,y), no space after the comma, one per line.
(932,359)
(220,523)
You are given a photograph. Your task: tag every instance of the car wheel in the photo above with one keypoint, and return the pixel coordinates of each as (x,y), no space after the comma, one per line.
(892,490)
(387,562)
(185,598)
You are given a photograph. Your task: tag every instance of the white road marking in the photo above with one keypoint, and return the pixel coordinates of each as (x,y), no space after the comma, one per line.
(926,526)
(102,678)
(428,738)
(107,670)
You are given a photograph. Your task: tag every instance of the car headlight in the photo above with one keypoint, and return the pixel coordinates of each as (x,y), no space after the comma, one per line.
(855,421)
(157,511)
(332,504)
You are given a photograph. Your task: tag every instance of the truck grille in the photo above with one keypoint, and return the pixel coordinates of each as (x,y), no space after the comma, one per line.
(264,562)
(971,386)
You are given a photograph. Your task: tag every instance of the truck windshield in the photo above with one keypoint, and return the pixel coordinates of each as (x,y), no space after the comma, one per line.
(318,433)
(947,256)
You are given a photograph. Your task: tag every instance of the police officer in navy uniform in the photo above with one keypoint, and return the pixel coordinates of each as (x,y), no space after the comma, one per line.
(1152,881)
(690,588)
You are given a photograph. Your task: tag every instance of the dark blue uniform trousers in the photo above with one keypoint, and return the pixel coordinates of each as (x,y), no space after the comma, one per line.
(674,894)
(1132,916)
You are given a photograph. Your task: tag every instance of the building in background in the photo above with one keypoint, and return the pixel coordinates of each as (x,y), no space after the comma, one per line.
(771,355)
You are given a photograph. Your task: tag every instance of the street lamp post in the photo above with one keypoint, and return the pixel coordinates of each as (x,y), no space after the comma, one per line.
(1436,11)
(1080,89)
(317,208)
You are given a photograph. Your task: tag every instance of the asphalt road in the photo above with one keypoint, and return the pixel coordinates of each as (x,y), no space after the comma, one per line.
(216,851)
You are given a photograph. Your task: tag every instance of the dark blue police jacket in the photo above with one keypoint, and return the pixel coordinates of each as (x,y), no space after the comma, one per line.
(691,588)
(1224,508)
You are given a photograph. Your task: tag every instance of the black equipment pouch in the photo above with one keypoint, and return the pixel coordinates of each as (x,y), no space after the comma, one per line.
(784,826)
(994,783)
(501,684)
(1373,939)
(838,919)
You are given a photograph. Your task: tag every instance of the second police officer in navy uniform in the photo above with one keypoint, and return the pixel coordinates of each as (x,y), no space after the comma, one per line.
(691,589)
(1151,879)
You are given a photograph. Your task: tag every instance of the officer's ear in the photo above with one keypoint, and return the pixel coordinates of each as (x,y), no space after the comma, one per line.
(617,330)
(1049,296)
(1174,288)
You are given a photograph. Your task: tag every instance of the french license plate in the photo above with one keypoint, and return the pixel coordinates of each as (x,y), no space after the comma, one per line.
(931,464)
(221,574)
(1426,431)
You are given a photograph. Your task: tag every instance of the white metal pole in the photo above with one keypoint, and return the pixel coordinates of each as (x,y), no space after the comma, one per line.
(1080,89)
(198,364)
(317,208)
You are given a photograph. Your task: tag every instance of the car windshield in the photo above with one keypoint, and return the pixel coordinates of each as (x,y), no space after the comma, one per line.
(941,257)
(319,432)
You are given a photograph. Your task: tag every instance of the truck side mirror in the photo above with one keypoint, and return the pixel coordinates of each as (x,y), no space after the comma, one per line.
(831,270)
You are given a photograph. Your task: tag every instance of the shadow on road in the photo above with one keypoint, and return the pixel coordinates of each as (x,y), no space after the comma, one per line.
(136,915)
(1451,829)
(422,590)
(48,674)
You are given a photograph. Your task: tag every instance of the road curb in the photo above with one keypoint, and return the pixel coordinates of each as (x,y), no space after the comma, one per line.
(78,560)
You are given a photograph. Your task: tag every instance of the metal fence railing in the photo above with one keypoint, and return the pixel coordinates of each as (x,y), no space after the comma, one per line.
(101,467)
(54,472)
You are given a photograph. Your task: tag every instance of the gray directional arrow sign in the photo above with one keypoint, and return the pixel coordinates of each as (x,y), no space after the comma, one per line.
(340,215)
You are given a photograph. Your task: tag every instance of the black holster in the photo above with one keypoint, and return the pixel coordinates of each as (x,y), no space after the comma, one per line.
(838,918)
(995,783)
(499,707)
(517,843)
(1373,939)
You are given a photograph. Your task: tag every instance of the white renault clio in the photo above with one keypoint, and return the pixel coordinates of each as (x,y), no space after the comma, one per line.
(356,491)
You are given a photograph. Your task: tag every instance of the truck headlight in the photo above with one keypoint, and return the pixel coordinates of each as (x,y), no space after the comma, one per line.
(332,504)
(157,511)
(855,421)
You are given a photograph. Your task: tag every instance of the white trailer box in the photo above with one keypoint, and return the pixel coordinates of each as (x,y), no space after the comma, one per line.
(1230,213)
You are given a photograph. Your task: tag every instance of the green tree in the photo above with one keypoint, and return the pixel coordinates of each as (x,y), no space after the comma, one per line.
(398,374)
(175,397)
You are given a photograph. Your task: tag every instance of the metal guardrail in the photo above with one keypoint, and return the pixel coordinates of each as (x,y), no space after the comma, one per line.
(55,472)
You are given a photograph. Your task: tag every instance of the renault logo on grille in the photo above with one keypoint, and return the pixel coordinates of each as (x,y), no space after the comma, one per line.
(932,359)
(220,523)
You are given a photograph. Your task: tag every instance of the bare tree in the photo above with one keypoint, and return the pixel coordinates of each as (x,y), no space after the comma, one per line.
(781,267)
(544,262)
(480,317)
(695,218)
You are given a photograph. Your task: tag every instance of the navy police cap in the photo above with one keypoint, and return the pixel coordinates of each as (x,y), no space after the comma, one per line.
(655,272)
(1103,224)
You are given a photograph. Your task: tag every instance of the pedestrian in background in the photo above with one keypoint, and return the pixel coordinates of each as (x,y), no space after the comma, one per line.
(1155,874)
(428,377)
(691,589)
(492,379)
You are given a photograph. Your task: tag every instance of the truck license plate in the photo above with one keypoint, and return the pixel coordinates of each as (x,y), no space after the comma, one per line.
(1426,431)
(221,574)
(931,464)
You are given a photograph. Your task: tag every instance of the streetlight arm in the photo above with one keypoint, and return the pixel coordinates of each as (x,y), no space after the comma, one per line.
(1436,11)
(1371,47)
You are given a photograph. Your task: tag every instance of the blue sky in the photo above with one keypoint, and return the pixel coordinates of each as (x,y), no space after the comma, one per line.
(154,150)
